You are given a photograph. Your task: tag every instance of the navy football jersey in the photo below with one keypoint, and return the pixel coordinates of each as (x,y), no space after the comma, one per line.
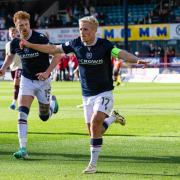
(33,61)
(95,65)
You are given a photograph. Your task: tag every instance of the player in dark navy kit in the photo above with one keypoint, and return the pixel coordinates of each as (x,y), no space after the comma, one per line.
(33,62)
(95,67)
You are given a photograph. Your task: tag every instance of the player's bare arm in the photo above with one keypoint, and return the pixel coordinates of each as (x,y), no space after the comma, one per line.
(130,57)
(122,54)
(46,74)
(8,60)
(45,48)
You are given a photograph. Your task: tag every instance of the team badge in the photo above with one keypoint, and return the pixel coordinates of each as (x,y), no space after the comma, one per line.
(67,43)
(89,55)
(26,50)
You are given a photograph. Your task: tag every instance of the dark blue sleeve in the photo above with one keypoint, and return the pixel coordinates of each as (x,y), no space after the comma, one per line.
(109,45)
(68,47)
(43,39)
(14,45)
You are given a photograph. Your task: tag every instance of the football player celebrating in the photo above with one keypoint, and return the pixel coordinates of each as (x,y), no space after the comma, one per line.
(95,67)
(15,67)
(33,62)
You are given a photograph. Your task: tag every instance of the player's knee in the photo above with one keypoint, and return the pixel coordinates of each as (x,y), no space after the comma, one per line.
(23,113)
(44,117)
(95,127)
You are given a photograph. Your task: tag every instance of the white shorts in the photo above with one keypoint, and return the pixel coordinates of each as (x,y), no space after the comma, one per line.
(102,102)
(36,88)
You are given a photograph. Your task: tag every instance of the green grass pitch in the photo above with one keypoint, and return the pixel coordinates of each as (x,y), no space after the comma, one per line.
(148,147)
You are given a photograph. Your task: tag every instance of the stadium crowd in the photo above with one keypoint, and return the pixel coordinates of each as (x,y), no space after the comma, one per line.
(164,11)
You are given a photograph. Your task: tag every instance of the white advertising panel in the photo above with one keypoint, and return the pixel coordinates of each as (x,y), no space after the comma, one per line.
(3,38)
(64,34)
(174,31)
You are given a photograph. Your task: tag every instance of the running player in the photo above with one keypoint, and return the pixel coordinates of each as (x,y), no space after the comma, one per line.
(33,62)
(95,67)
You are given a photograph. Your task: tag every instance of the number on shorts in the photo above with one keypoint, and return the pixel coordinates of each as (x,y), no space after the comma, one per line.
(105,102)
(47,93)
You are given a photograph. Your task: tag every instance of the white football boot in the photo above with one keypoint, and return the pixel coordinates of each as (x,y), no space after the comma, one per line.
(119,118)
(90,169)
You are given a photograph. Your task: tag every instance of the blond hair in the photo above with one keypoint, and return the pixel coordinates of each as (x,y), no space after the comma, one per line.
(21,15)
(90,19)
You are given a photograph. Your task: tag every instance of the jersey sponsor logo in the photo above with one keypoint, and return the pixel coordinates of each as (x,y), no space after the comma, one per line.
(91,61)
(29,55)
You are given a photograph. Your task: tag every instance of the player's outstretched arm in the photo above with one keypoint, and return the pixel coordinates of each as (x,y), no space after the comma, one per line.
(130,57)
(46,74)
(122,54)
(8,60)
(45,48)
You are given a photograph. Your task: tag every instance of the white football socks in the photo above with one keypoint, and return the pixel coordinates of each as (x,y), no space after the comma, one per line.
(52,106)
(22,135)
(94,155)
(14,102)
(109,120)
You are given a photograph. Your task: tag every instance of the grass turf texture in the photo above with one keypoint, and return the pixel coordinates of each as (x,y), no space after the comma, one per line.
(148,147)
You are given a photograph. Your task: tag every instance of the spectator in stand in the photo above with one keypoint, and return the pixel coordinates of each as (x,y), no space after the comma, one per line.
(173,52)
(9,21)
(149,21)
(86,10)
(76,74)
(37,21)
(46,22)
(3,7)
(76,11)
(52,21)
(93,11)
(152,50)
(163,15)
(102,18)
(161,55)
(62,68)
(170,53)
(72,64)
(58,72)
(2,23)
(69,15)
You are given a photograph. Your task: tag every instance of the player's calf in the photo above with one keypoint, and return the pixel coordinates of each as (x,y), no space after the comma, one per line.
(44,112)
(54,104)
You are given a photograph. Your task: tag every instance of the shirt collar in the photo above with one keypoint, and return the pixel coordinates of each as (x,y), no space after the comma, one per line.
(95,40)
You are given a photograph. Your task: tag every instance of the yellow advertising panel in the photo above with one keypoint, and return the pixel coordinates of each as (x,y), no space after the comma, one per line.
(137,32)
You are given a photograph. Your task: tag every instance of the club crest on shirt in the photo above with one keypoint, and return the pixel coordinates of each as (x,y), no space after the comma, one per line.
(89,55)
(67,43)
(26,50)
